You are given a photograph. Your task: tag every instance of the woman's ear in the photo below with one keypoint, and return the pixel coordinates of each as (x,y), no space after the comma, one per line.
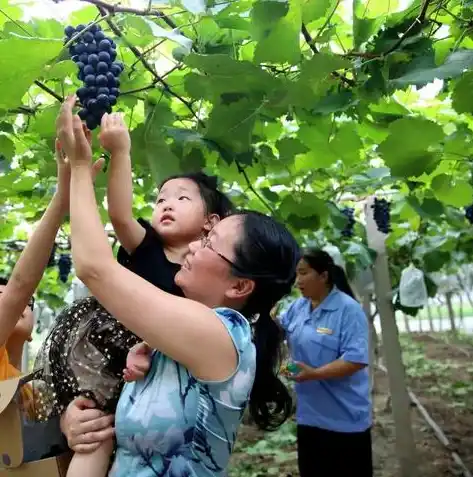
(241,288)
(211,221)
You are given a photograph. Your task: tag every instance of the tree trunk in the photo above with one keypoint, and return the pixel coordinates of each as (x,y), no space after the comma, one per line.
(405,444)
(429,315)
(373,341)
(451,314)
(406,323)
(461,310)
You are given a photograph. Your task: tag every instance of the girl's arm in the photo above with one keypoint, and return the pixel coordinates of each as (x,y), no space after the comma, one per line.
(114,137)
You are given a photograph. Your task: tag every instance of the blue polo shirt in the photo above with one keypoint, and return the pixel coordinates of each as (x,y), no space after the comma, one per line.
(336,329)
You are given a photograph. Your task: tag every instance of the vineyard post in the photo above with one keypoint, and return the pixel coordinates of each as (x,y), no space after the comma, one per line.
(405,444)
(371,338)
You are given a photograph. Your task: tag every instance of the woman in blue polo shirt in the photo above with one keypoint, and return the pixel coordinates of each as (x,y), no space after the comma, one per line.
(327,334)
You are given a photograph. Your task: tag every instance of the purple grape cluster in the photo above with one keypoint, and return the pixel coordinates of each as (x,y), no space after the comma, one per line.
(469,213)
(64,265)
(349,213)
(382,215)
(95,55)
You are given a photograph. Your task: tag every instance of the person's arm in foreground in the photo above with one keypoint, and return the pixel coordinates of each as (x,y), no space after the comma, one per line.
(33,260)
(186,331)
(114,138)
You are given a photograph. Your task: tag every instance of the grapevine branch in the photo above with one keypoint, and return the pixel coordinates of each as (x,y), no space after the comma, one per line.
(145,63)
(418,21)
(310,42)
(242,171)
(135,11)
(49,90)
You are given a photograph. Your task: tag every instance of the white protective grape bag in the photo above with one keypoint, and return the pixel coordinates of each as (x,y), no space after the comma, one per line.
(412,288)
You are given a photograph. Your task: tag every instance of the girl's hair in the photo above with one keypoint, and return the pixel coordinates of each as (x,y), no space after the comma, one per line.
(321,262)
(216,202)
(268,254)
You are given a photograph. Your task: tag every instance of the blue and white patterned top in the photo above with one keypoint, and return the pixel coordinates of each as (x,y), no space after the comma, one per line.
(174,425)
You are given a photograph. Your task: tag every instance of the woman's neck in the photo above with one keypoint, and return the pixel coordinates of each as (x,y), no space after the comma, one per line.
(316,301)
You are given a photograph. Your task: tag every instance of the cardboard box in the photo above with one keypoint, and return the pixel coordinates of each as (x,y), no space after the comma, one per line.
(20,439)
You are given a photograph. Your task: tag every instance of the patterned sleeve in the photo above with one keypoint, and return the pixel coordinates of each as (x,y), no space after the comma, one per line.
(222,404)
(124,258)
(234,390)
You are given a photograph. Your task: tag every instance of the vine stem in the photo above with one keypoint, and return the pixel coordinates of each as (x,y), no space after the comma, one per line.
(144,62)
(418,21)
(310,42)
(135,11)
(48,90)
(242,171)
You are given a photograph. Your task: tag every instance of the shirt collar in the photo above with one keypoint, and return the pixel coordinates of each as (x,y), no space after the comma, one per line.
(330,302)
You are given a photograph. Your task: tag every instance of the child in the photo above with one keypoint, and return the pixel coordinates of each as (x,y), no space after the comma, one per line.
(85,353)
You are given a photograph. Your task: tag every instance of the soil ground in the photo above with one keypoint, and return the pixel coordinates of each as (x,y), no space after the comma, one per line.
(441,376)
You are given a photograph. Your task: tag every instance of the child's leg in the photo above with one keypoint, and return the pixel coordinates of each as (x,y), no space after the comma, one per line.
(95,464)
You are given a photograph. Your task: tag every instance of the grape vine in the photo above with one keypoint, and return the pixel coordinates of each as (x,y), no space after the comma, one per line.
(382,214)
(94,54)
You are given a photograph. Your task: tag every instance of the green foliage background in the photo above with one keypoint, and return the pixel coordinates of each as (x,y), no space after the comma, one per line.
(301,107)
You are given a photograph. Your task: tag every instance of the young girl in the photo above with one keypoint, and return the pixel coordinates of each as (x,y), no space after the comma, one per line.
(85,352)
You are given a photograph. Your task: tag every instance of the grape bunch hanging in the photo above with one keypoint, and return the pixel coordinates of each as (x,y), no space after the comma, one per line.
(382,214)
(64,265)
(469,213)
(95,55)
(349,213)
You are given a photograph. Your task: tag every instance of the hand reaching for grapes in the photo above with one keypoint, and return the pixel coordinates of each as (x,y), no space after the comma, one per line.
(74,141)
(72,135)
(114,136)
(138,362)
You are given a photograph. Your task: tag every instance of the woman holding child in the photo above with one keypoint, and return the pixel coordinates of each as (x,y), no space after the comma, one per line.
(208,362)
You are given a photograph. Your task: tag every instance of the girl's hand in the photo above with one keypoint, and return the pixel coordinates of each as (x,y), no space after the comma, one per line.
(86,428)
(138,362)
(72,135)
(114,136)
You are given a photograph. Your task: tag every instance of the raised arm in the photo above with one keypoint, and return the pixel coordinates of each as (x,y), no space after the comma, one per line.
(30,267)
(33,260)
(114,137)
(184,330)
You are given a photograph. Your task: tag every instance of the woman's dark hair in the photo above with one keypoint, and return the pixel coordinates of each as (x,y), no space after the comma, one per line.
(3,281)
(216,202)
(268,254)
(321,262)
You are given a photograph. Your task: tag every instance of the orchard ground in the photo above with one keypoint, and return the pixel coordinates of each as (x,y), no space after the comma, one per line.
(441,377)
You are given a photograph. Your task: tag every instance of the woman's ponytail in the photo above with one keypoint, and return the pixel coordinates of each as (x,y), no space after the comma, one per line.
(270,401)
(340,280)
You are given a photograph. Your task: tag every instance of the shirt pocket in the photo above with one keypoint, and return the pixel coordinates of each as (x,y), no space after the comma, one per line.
(323,348)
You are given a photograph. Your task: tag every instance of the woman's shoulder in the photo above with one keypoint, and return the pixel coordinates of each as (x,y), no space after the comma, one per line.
(237,325)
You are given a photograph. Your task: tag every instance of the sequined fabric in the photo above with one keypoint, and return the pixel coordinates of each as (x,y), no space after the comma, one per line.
(83,355)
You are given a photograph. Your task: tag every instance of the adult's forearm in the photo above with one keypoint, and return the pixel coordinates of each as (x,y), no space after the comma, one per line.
(30,268)
(336,369)
(90,247)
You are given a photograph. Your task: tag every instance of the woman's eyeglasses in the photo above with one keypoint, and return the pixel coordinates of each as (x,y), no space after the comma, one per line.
(206,243)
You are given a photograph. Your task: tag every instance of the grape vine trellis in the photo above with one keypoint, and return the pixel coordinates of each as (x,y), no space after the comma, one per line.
(301,107)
